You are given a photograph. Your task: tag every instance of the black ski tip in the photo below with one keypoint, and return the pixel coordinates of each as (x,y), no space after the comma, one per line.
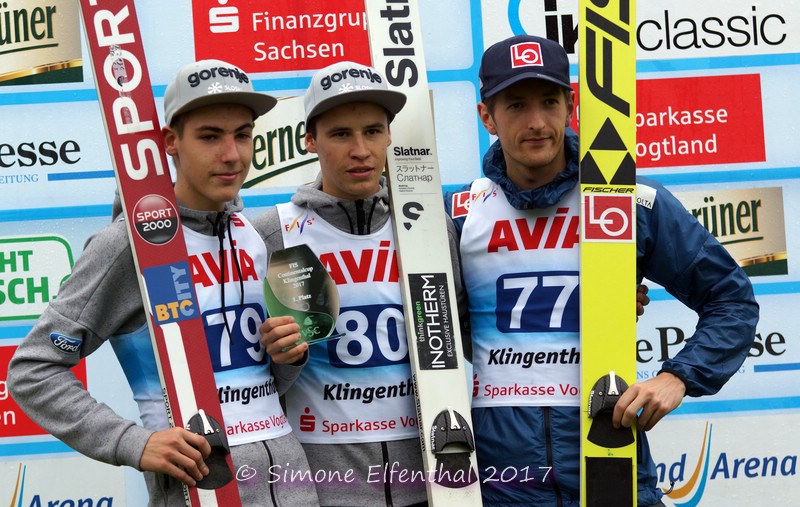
(454,470)
(220,473)
(603,433)
(609,482)
(453,445)
(604,396)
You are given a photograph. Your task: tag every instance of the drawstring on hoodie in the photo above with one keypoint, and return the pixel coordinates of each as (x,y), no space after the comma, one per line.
(371,212)
(361,220)
(220,224)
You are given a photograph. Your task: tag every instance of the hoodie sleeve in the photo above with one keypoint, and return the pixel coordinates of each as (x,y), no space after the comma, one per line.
(100,298)
(462,300)
(268,226)
(455,206)
(675,251)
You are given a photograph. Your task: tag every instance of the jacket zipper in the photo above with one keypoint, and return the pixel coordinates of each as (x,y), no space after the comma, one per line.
(549,449)
(387,487)
(271,484)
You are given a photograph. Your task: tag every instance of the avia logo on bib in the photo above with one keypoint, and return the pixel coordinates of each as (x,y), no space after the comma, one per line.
(558,232)
(368,265)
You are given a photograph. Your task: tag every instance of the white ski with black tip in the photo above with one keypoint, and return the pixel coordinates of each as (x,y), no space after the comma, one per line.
(427,279)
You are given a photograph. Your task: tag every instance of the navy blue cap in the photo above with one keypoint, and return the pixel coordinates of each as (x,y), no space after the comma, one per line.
(522,57)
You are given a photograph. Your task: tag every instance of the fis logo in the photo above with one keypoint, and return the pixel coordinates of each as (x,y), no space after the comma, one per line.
(299,223)
(484,195)
(526,54)
(223,19)
(65,343)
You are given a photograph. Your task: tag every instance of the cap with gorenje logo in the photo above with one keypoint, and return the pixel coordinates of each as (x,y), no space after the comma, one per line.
(522,57)
(208,82)
(346,82)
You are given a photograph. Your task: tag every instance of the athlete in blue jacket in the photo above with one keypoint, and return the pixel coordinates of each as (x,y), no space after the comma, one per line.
(520,261)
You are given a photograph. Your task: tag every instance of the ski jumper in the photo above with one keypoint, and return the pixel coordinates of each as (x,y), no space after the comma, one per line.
(101,302)
(529,422)
(353,406)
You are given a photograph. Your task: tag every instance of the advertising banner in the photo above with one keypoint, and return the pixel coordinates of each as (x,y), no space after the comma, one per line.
(716,113)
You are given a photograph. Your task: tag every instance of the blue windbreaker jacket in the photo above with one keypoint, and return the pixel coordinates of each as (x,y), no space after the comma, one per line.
(673,250)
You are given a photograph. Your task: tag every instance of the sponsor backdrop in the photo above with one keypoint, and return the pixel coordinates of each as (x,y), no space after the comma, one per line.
(716,124)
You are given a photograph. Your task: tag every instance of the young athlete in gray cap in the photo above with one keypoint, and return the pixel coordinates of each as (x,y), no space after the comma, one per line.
(209,109)
(353,405)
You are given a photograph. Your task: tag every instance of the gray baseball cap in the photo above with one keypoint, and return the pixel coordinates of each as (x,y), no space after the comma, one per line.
(345,82)
(209,82)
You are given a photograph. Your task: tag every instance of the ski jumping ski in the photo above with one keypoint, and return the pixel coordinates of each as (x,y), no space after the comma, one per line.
(143,178)
(607,90)
(435,349)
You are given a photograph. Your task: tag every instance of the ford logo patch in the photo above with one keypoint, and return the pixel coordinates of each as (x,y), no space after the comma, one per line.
(65,343)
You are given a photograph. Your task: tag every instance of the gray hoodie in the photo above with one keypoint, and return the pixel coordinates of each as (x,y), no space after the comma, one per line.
(101,299)
(360,217)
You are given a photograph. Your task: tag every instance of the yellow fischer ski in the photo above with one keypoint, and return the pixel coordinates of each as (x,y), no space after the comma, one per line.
(607,94)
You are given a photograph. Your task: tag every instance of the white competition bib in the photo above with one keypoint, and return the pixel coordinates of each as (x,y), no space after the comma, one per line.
(247,391)
(356,388)
(521,273)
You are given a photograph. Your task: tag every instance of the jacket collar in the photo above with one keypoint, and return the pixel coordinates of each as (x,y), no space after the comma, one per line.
(494,167)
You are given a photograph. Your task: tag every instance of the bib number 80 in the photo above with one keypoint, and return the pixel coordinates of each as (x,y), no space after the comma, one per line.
(373,336)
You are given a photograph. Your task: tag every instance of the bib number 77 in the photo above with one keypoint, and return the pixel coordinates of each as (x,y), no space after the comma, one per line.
(538,302)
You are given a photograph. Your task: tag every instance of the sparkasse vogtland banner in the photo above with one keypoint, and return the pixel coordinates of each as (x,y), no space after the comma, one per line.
(715,123)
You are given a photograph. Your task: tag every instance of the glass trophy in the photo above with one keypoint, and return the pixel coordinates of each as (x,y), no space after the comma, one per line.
(298,284)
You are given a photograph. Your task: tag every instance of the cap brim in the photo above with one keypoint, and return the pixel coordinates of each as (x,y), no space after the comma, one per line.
(259,103)
(521,77)
(392,100)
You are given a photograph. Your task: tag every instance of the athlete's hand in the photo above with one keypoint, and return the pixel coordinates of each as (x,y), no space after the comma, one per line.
(641,300)
(176,452)
(278,333)
(655,397)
